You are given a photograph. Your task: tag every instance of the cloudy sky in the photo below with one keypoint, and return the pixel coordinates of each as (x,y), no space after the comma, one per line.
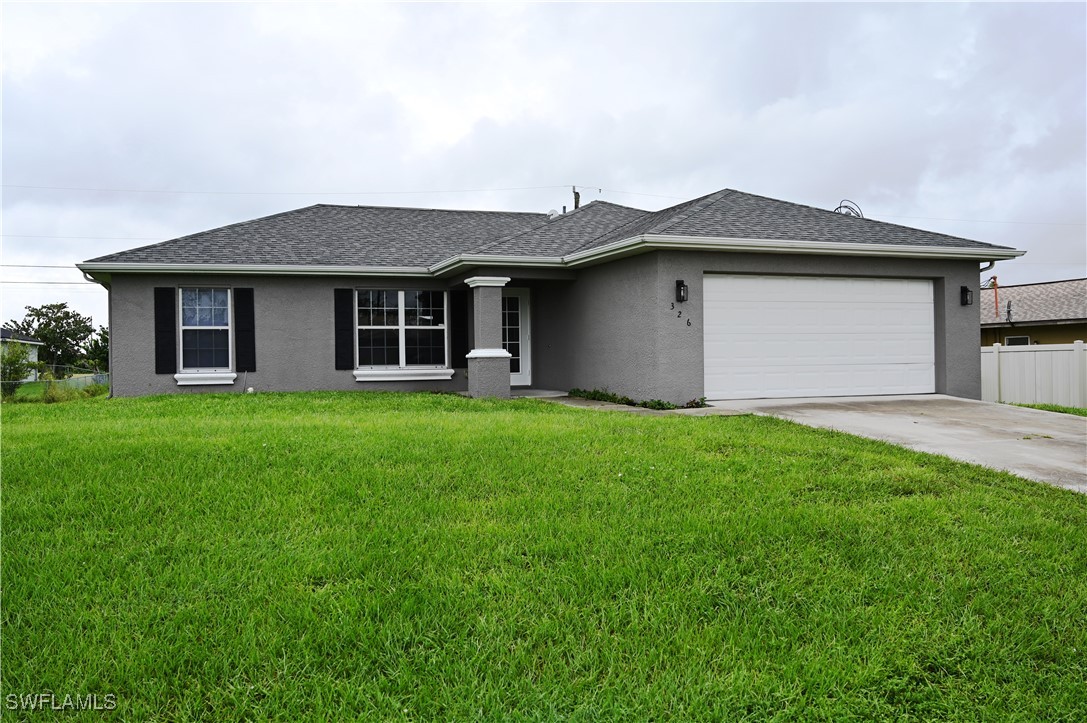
(125,124)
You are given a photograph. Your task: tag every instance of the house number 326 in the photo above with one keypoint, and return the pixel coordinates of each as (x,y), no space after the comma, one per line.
(679,314)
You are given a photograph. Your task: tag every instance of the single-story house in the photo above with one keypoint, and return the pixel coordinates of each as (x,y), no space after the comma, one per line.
(730,295)
(1051,312)
(7,336)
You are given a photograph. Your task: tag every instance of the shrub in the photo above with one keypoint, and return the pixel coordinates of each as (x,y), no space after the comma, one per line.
(15,366)
(57,392)
(603,395)
(656,404)
(96,390)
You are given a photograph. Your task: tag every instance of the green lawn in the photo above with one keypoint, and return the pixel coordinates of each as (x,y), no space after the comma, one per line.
(428,557)
(1078,411)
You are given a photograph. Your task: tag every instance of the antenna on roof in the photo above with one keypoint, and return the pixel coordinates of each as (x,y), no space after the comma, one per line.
(848,208)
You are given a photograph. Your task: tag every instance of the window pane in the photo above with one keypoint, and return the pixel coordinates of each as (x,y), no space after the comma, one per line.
(424,347)
(379,347)
(205,348)
(205,307)
(424,308)
(378,308)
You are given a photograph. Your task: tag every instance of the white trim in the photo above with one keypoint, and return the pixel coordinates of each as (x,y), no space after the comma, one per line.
(185,379)
(181,328)
(23,341)
(489,354)
(401,375)
(258,269)
(832,248)
(524,377)
(493,260)
(623,247)
(487,281)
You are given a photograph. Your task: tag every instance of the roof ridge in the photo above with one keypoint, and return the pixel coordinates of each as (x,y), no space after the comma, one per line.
(867,220)
(417,208)
(697,205)
(1035,283)
(591,242)
(557,219)
(209,230)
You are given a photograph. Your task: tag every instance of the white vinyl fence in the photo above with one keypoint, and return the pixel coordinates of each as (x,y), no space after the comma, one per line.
(1035,374)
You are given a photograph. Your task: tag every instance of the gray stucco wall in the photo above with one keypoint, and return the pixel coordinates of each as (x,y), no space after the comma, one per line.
(615,326)
(610,326)
(294,335)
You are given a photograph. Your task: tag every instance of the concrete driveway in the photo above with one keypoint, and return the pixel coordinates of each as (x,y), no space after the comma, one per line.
(1043,446)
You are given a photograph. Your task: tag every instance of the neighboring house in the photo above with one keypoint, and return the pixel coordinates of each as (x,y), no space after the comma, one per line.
(7,336)
(1051,312)
(729,295)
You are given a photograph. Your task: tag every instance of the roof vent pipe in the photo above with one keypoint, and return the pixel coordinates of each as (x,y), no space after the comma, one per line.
(564,209)
(577,198)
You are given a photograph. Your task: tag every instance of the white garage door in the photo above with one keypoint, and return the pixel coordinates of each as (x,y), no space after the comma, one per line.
(813,336)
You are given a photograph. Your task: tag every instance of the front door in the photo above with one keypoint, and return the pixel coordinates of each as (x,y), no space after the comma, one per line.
(517,335)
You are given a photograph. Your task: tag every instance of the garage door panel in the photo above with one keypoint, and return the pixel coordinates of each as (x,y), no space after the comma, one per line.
(777,336)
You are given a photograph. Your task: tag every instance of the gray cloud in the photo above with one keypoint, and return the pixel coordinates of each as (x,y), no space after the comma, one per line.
(969,112)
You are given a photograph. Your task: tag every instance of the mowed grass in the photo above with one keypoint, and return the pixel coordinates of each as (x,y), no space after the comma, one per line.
(422,557)
(1078,411)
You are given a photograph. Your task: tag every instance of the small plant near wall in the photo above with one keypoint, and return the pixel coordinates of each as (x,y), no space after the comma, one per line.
(603,395)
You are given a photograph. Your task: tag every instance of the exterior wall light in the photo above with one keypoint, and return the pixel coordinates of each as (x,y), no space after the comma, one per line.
(681,291)
(966,296)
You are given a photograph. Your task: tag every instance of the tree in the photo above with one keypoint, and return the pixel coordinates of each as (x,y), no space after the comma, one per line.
(63,332)
(15,367)
(97,349)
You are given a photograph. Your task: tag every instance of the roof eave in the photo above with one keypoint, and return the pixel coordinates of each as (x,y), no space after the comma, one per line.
(451,265)
(618,249)
(104,268)
(646,242)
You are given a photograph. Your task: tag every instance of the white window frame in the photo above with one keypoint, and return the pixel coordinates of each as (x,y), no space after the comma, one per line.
(402,371)
(188,376)
(1007,340)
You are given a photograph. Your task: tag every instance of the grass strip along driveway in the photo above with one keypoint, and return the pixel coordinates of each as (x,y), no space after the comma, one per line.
(425,557)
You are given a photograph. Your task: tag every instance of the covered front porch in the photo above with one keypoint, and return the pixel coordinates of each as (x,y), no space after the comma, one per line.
(511,344)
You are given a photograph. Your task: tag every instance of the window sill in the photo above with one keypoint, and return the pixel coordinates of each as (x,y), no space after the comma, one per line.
(401,375)
(185,379)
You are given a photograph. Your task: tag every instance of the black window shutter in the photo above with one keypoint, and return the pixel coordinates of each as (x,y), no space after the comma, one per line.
(165,330)
(458,328)
(245,339)
(344,320)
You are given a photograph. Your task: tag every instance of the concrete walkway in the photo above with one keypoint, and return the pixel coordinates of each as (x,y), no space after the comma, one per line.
(1043,446)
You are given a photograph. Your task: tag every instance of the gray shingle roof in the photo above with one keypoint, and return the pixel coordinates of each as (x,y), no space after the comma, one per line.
(10,335)
(327,235)
(1049,301)
(564,233)
(380,236)
(733,214)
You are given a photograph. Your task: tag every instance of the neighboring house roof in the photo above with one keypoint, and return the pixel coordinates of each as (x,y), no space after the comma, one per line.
(1046,302)
(329,239)
(9,335)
